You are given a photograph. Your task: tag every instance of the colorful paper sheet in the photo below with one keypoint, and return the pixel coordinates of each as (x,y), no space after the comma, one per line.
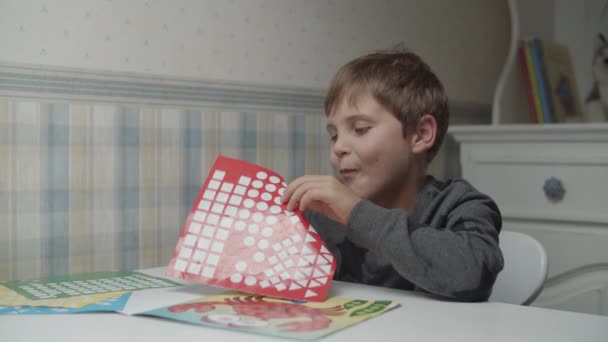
(275,317)
(240,236)
(107,305)
(86,284)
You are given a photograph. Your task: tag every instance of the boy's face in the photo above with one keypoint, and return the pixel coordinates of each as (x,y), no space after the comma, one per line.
(368,151)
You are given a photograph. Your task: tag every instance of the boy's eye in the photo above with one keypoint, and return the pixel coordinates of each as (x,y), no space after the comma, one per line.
(333,138)
(362,130)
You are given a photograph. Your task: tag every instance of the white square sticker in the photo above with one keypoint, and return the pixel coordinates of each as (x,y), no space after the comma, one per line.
(227,187)
(209,194)
(208,272)
(190,240)
(219,174)
(199,256)
(244,180)
(217,247)
(185,252)
(235,199)
(217,208)
(199,216)
(230,211)
(240,190)
(222,234)
(213,219)
(213,259)
(195,227)
(194,268)
(226,222)
(180,265)
(204,244)
(208,231)
(204,205)
(214,185)
(222,197)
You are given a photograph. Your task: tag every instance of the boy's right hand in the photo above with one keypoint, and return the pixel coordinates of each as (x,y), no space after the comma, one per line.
(323,194)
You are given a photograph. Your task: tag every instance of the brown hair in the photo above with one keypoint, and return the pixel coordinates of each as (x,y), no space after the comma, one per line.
(400,81)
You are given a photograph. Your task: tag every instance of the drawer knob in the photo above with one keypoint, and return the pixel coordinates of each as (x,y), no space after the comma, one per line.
(554,189)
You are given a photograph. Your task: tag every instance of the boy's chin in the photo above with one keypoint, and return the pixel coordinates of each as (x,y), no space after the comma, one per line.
(361,193)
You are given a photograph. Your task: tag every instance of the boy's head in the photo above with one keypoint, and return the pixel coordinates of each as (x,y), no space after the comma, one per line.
(387,114)
(398,80)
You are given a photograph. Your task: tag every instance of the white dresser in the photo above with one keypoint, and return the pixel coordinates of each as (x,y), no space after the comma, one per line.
(551,182)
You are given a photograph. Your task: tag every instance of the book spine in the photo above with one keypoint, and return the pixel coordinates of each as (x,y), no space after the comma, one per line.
(526,74)
(541,77)
(534,82)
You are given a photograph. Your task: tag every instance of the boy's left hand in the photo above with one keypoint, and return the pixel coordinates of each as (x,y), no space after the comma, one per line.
(323,194)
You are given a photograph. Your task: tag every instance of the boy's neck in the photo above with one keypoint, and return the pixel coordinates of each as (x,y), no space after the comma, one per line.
(406,196)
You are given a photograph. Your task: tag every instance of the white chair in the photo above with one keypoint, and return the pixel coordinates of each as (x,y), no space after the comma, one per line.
(524,272)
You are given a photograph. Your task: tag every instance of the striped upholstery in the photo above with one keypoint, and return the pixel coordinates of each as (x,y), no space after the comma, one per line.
(91,187)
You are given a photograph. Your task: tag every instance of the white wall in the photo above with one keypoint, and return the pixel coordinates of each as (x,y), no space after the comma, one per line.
(576,25)
(274,42)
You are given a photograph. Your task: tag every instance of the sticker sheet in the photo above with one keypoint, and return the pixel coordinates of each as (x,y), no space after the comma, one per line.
(240,236)
(85,285)
(275,317)
(108,305)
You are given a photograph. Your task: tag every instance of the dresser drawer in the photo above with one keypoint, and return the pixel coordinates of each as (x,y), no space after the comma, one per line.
(515,176)
(511,163)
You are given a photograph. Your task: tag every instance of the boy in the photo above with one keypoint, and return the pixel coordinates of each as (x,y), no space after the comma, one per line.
(385,220)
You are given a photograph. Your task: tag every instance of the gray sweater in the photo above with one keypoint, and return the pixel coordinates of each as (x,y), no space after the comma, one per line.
(447,245)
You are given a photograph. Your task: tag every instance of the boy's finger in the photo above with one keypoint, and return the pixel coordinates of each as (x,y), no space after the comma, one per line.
(311,196)
(291,187)
(297,194)
(295,184)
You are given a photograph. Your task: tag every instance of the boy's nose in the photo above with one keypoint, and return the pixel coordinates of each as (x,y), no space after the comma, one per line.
(340,147)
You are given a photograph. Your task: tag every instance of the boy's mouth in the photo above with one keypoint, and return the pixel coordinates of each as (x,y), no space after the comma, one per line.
(348,174)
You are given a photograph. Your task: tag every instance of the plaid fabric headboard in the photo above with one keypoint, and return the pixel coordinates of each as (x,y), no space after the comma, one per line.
(89,187)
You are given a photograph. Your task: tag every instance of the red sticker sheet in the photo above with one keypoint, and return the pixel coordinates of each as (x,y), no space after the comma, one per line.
(240,236)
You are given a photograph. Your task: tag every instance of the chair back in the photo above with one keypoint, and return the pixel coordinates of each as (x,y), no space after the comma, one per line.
(524,272)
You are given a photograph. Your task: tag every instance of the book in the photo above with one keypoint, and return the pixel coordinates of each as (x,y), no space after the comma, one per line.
(541,78)
(521,51)
(561,81)
(533,82)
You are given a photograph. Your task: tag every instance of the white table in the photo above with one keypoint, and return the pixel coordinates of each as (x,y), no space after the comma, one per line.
(420,318)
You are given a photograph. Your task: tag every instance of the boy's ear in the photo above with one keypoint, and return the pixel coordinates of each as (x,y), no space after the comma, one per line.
(424,135)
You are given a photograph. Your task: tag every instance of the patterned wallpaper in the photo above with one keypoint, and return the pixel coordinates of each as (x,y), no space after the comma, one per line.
(273,42)
(91,187)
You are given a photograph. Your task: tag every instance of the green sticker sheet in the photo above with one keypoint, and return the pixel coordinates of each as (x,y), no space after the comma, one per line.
(86,284)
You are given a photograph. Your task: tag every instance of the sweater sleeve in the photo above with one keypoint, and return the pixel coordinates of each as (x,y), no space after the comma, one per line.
(451,251)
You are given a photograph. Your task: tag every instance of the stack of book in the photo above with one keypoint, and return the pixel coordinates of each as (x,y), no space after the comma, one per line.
(550,82)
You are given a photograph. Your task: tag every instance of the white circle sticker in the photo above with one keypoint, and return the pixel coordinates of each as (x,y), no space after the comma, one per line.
(261,175)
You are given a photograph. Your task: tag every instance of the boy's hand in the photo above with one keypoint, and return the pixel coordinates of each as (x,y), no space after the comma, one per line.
(323,194)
